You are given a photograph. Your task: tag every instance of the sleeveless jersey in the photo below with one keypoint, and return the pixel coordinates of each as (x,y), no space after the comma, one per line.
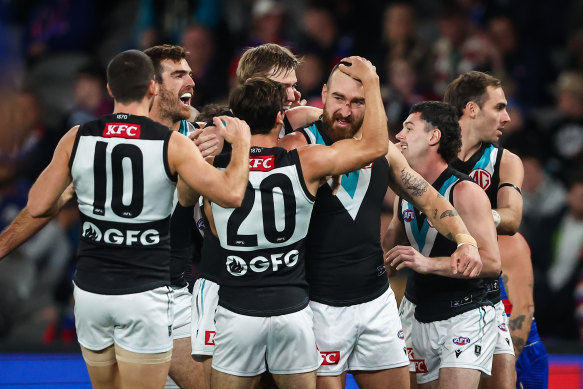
(263,241)
(121,175)
(181,242)
(437,297)
(344,256)
(484,168)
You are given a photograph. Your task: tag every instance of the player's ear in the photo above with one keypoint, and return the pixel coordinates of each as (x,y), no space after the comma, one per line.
(435,136)
(279,118)
(472,109)
(109,91)
(324,92)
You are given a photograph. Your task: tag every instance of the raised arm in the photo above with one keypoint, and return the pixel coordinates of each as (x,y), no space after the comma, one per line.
(302,115)
(410,185)
(225,188)
(348,155)
(45,197)
(518,283)
(474,209)
(24,226)
(509,197)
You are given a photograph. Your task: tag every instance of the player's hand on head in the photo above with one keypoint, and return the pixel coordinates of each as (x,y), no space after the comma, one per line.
(298,101)
(358,68)
(208,140)
(466,260)
(232,129)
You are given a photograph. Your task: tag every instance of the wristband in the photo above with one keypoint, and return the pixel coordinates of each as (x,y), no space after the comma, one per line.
(496,217)
(462,239)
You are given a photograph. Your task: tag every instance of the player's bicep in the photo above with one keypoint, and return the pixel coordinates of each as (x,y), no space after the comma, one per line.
(511,178)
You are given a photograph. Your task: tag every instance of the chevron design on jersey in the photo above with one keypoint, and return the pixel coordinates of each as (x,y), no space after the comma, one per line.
(352,190)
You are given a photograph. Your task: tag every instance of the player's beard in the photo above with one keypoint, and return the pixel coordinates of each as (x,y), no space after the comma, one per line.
(171,106)
(336,133)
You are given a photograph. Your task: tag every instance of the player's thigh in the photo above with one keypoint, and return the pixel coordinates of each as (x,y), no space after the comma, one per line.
(142,370)
(221,380)
(186,372)
(458,378)
(395,378)
(300,380)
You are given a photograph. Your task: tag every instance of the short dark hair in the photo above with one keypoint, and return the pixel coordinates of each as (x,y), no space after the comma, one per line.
(162,52)
(442,116)
(258,61)
(257,102)
(209,111)
(129,75)
(470,86)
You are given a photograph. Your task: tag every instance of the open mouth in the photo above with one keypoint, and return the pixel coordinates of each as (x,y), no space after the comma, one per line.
(185,98)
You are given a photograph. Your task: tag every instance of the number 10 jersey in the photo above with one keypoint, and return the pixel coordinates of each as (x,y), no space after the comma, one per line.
(125,191)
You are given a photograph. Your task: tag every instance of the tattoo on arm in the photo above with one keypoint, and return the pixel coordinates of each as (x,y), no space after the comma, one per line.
(516,324)
(435,213)
(505,282)
(414,186)
(449,212)
(519,344)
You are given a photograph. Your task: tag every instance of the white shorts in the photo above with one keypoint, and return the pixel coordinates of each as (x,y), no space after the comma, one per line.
(182,314)
(463,341)
(247,345)
(365,336)
(138,322)
(504,343)
(407,314)
(204,305)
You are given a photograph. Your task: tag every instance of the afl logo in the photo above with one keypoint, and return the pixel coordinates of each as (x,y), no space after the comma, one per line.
(482,177)
(408,215)
(503,327)
(401,334)
(461,341)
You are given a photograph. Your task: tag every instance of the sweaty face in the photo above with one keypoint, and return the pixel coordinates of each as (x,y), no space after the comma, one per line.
(289,80)
(176,90)
(492,117)
(343,99)
(413,139)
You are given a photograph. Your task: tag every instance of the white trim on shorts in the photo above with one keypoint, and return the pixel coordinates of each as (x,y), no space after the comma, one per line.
(182,314)
(205,300)
(137,322)
(345,336)
(247,345)
(504,343)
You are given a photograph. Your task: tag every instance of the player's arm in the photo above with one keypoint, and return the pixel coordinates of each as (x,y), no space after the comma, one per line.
(409,185)
(45,197)
(509,197)
(518,282)
(394,236)
(474,209)
(225,188)
(302,115)
(292,141)
(349,155)
(24,226)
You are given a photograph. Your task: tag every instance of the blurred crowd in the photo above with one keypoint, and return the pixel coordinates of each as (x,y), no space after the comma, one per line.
(53,55)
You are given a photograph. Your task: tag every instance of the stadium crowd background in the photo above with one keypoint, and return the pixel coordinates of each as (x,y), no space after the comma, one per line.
(52,60)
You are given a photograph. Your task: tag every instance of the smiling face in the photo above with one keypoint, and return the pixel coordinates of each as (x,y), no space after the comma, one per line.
(492,117)
(414,139)
(176,90)
(343,99)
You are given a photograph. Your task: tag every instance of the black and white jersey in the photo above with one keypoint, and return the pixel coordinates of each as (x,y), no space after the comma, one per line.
(344,263)
(437,297)
(125,191)
(263,245)
(484,168)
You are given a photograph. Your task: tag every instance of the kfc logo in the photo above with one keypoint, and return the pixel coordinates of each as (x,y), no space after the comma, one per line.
(408,215)
(209,338)
(330,357)
(420,366)
(122,130)
(481,177)
(262,164)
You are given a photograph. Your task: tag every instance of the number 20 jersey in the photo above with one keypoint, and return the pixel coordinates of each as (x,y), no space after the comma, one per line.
(262,243)
(125,191)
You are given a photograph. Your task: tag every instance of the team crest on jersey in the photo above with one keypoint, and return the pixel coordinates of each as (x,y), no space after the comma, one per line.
(482,177)
(122,130)
(461,340)
(408,215)
(90,231)
(262,163)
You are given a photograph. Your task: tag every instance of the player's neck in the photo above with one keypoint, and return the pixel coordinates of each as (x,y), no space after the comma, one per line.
(431,168)
(156,116)
(264,140)
(138,108)
(471,142)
